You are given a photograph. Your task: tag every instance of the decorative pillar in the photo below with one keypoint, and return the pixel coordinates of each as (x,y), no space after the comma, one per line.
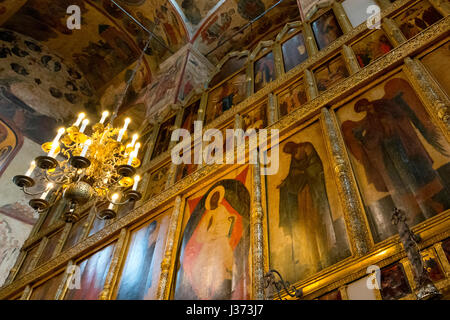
(359,235)
(343,292)
(70,269)
(350,59)
(170,250)
(257,233)
(435,100)
(38,223)
(342,18)
(62,239)
(15,269)
(272,112)
(311,45)
(443,6)
(278,57)
(202,108)
(442,258)
(249,74)
(311,88)
(393,32)
(114,267)
(26,293)
(171,174)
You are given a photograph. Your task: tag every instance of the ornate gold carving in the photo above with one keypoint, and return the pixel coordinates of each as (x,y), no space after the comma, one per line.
(342,18)
(347,189)
(311,87)
(62,288)
(171,247)
(26,293)
(350,59)
(272,107)
(393,32)
(442,6)
(257,234)
(436,100)
(442,258)
(310,43)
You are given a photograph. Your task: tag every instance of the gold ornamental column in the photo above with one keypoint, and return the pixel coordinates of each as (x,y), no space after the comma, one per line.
(257,234)
(311,45)
(393,32)
(15,269)
(114,267)
(170,250)
(272,112)
(342,18)
(350,59)
(311,87)
(435,100)
(171,174)
(359,235)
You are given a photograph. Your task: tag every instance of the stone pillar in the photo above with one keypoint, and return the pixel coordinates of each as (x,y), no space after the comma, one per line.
(357,227)
(170,250)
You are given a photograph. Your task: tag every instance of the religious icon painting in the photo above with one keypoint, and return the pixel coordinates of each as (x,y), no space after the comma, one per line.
(49,249)
(446,248)
(185,169)
(394,283)
(190,115)
(140,275)
(48,289)
(294,51)
(292,98)
(163,140)
(157,181)
(436,61)
(326,29)
(264,71)
(76,232)
(9,142)
(26,264)
(371,47)
(255,119)
(417,18)
(331,73)
(92,275)
(213,260)
(226,95)
(306,226)
(231,66)
(432,265)
(400,158)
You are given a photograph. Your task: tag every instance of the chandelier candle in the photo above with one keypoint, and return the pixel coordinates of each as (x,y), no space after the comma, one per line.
(136,182)
(114,198)
(122,131)
(84,125)
(104,115)
(55,142)
(85,148)
(134,153)
(31,168)
(80,118)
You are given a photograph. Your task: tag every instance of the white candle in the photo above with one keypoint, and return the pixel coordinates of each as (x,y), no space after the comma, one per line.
(136,182)
(55,142)
(104,115)
(135,137)
(80,117)
(134,153)
(83,125)
(114,198)
(49,187)
(85,148)
(31,169)
(122,131)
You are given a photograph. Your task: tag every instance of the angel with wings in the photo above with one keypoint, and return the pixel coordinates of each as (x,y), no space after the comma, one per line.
(389,143)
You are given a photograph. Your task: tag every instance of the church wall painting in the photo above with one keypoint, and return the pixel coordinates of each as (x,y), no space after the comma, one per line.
(163,140)
(394,283)
(294,51)
(371,47)
(264,71)
(256,118)
(330,73)
(399,156)
(438,60)
(292,98)
(306,227)
(326,29)
(93,271)
(214,256)
(141,271)
(157,181)
(49,249)
(230,93)
(417,18)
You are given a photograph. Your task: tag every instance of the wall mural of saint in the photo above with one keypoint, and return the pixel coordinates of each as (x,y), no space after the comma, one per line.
(140,275)
(400,156)
(326,29)
(305,234)
(264,71)
(213,259)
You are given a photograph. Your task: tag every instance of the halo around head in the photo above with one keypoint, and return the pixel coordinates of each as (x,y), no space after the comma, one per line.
(220,190)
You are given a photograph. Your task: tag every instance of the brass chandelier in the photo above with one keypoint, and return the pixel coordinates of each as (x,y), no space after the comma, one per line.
(79,167)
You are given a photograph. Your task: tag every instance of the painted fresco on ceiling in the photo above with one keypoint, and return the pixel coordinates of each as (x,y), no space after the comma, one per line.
(220,33)
(195,75)
(195,11)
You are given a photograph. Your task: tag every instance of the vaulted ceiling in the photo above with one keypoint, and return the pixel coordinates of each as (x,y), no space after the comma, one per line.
(109,42)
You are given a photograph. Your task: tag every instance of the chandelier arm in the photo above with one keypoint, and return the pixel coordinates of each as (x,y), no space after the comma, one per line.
(49,178)
(24,190)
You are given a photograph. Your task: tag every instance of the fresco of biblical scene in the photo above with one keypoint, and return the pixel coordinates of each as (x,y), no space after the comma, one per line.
(226,95)
(432,266)
(438,60)
(417,18)
(400,157)
(190,115)
(371,48)
(307,230)
(47,290)
(326,29)
(163,139)
(215,249)
(331,73)
(292,98)
(140,274)
(76,232)
(49,249)
(394,284)
(9,145)
(255,119)
(264,71)
(157,181)
(294,51)
(93,271)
